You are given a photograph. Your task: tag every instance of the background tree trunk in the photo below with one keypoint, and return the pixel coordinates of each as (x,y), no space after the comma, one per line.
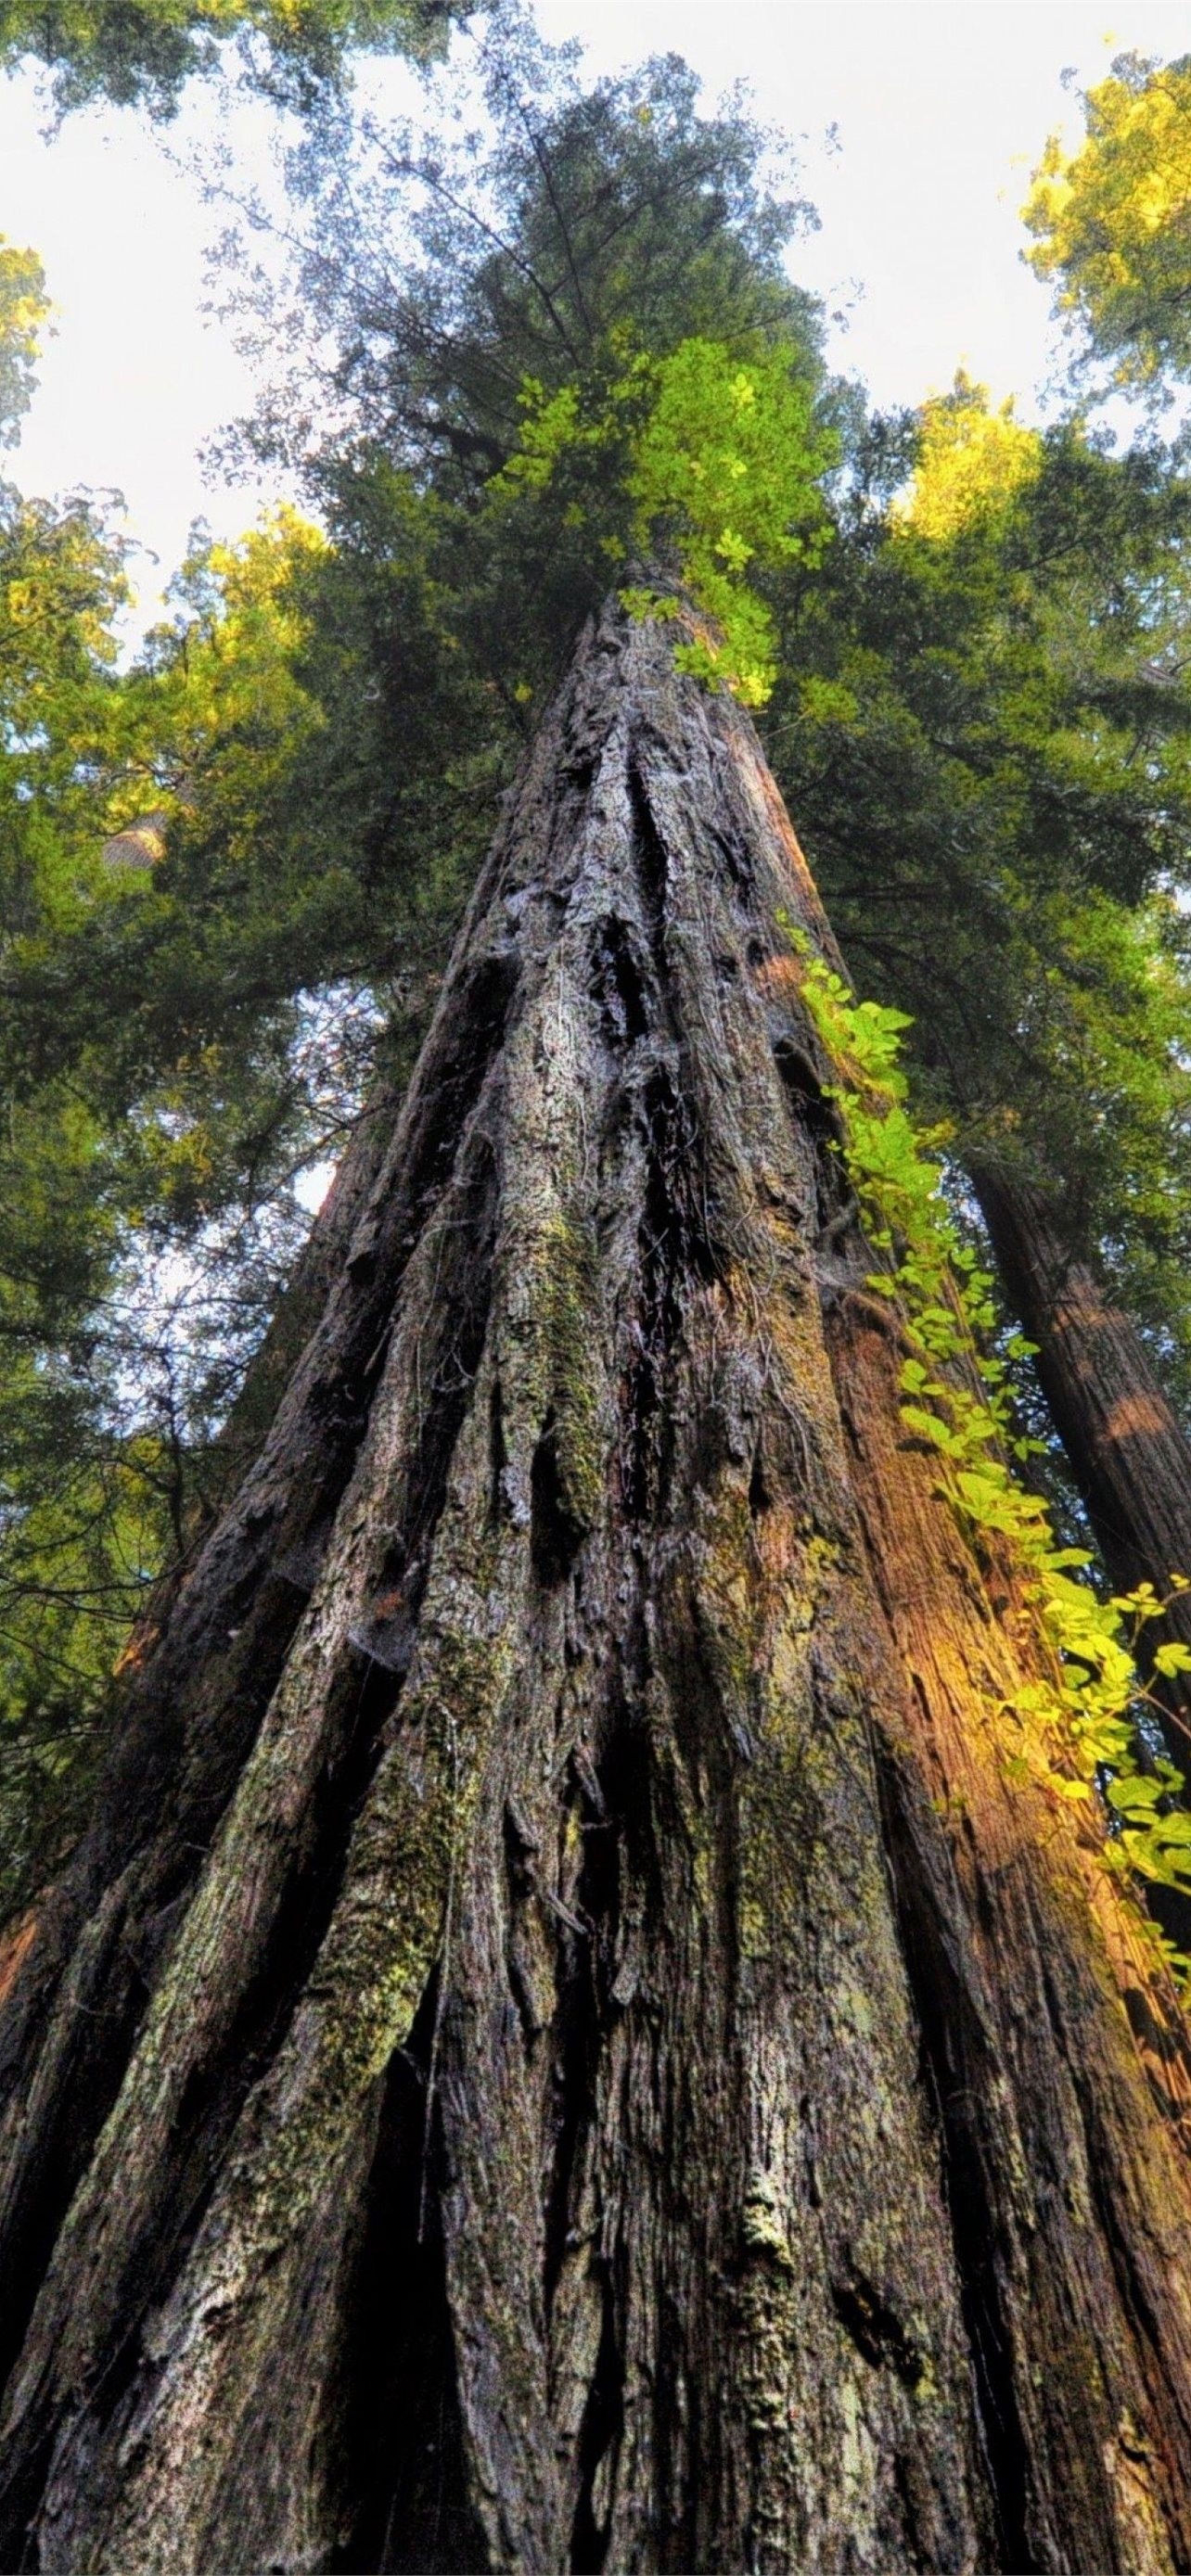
(1128,1451)
(562,2049)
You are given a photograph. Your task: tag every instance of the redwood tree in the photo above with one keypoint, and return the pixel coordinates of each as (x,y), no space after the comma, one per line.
(566,2044)
(1128,1450)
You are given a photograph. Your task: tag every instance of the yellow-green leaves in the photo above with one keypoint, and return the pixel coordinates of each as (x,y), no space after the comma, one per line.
(1080,1723)
(725,473)
(220,703)
(1112,224)
(23,308)
(699,463)
(971,463)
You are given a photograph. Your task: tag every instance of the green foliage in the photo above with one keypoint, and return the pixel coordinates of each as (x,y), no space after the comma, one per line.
(142,51)
(1078,1725)
(489,318)
(1112,223)
(982,722)
(726,469)
(23,308)
(713,466)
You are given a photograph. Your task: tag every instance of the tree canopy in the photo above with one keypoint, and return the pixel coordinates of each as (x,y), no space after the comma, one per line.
(982,719)
(141,52)
(1112,223)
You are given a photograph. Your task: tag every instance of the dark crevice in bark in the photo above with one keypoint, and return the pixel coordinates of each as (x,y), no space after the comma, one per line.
(575,2040)
(556,1533)
(659,1312)
(482,1010)
(498,1501)
(952,2045)
(818,1119)
(732,844)
(403,2461)
(580,2025)
(674,1249)
(650,852)
(365,1696)
(875,2327)
(598,2437)
(617,1857)
(618,984)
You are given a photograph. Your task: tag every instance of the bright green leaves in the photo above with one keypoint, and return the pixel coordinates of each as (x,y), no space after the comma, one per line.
(1079,1723)
(705,467)
(725,473)
(61,586)
(865,1040)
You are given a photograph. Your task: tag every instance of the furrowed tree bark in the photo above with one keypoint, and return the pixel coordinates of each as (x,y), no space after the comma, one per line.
(563,2048)
(301,1304)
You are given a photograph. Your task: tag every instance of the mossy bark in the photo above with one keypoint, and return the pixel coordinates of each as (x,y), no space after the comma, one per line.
(562,2048)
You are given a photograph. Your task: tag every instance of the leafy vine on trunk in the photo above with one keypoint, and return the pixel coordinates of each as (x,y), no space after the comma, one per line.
(1078,1724)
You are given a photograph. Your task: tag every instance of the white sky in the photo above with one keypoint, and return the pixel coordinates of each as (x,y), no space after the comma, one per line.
(941,108)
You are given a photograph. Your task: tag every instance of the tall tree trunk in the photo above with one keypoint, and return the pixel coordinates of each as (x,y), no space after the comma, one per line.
(562,2048)
(1129,1453)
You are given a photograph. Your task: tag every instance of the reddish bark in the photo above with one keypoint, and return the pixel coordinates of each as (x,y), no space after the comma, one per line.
(1129,1453)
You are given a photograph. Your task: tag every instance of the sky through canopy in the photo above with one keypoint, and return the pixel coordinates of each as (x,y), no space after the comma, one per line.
(920,119)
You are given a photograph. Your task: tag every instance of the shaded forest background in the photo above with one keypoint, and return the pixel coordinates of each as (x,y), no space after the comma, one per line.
(542,342)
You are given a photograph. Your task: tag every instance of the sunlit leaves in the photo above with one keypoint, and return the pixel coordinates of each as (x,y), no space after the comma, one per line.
(1078,1720)
(23,308)
(1112,223)
(726,469)
(704,468)
(971,461)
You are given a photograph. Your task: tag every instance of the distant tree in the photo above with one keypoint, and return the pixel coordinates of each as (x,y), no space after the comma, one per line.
(140,52)
(1112,224)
